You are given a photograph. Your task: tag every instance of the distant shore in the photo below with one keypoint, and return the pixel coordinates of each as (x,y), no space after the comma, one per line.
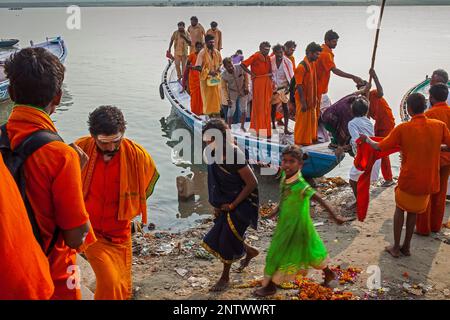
(143,3)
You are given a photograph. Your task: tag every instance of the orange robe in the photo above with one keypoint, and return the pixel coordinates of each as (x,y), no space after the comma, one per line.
(210,94)
(324,65)
(115,192)
(420,140)
(217,38)
(260,119)
(305,132)
(380,111)
(292,58)
(54,190)
(431,220)
(194,86)
(24,270)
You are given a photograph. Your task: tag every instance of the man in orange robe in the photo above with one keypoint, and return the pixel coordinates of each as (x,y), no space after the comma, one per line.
(181,41)
(24,271)
(420,142)
(263,86)
(325,64)
(289,49)
(306,99)
(194,81)
(431,220)
(52,173)
(196,32)
(117,180)
(208,63)
(380,111)
(217,35)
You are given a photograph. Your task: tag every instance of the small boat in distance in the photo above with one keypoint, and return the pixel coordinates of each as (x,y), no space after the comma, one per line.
(5,43)
(54,45)
(258,150)
(423,88)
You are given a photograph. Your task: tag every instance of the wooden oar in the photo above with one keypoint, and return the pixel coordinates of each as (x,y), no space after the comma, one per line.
(375,46)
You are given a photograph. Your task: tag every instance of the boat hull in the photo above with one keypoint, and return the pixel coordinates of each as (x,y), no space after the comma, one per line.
(8,43)
(321,160)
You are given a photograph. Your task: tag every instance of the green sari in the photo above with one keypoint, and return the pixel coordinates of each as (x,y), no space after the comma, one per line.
(296,246)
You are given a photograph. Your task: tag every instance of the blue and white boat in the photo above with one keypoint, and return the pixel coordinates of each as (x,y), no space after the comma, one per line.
(423,88)
(6,43)
(258,150)
(54,45)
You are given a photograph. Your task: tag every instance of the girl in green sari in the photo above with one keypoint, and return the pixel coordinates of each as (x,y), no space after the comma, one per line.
(296,246)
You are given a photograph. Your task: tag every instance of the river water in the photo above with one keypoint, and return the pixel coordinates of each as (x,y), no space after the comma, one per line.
(119,53)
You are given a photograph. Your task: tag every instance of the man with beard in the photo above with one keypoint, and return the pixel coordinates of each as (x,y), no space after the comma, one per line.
(307,103)
(262,84)
(208,63)
(118,178)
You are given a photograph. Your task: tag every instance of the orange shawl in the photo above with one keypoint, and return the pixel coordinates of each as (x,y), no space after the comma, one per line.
(138,176)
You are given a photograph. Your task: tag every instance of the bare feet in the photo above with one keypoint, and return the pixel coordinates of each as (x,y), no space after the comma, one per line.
(395,252)
(220,285)
(243,129)
(387,183)
(329,276)
(287,132)
(268,290)
(405,251)
(251,253)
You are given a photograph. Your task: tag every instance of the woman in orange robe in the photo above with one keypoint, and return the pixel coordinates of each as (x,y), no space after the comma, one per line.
(194,82)
(261,72)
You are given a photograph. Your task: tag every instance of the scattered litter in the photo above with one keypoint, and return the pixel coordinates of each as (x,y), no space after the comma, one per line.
(165,248)
(250,284)
(182,272)
(203,254)
(199,282)
(318,224)
(183,292)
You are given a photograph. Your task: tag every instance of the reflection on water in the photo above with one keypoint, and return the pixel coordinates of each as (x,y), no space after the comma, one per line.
(66,102)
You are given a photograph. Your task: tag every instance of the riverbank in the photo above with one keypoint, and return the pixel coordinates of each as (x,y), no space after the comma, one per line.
(173,266)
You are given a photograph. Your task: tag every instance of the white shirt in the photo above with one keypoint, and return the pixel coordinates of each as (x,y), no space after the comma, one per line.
(280,77)
(357,126)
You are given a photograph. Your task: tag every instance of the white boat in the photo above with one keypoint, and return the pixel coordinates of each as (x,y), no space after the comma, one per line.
(258,150)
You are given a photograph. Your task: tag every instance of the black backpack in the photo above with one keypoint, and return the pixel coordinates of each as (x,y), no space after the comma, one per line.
(14,160)
(293,84)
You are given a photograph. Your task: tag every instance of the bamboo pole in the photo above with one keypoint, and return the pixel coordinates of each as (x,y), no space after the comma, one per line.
(375,46)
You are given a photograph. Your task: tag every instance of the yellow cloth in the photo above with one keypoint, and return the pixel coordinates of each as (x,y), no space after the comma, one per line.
(210,95)
(138,176)
(410,202)
(111,263)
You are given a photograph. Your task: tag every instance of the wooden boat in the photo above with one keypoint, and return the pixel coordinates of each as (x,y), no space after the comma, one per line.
(54,45)
(258,150)
(5,43)
(423,88)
